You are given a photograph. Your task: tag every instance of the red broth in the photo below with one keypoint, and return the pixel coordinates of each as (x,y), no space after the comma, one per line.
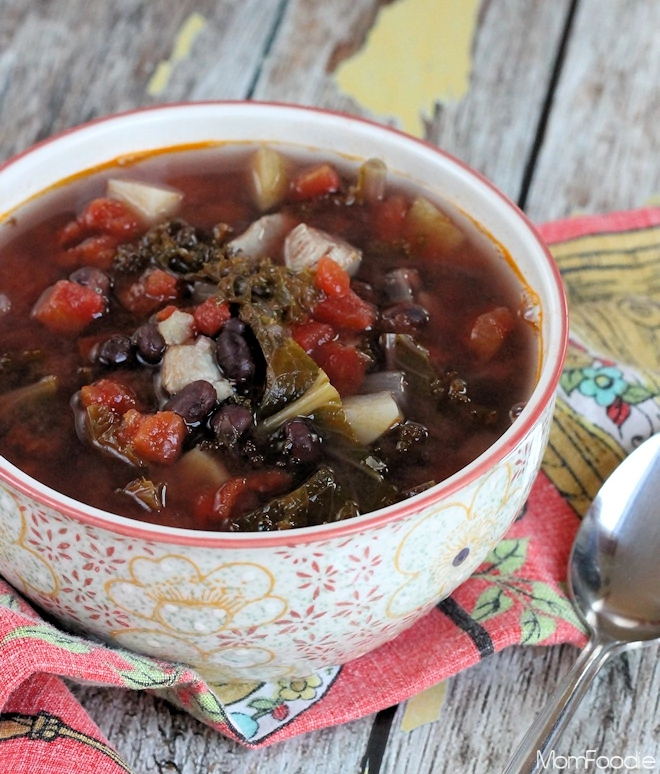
(434,316)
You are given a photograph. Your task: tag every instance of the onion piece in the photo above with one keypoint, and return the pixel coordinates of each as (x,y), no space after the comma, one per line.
(305,246)
(177,328)
(152,202)
(270,181)
(371,415)
(265,237)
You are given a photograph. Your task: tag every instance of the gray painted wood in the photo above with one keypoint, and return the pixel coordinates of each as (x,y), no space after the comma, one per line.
(602,146)
(63,62)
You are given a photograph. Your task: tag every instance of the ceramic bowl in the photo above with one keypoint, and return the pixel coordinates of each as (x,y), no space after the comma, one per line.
(242,607)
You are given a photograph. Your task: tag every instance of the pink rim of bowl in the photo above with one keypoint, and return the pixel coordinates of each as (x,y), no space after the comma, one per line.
(105,139)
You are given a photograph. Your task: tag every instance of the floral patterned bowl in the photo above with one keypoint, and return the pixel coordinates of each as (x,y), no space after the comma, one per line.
(242,607)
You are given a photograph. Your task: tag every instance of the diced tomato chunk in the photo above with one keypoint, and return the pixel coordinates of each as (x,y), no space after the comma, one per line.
(311,334)
(154,288)
(109,216)
(165,312)
(67,307)
(70,233)
(226,496)
(159,437)
(118,397)
(389,217)
(237,494)
(348,312)
(159,284)
(331,278)
(269,482)
(317,181)
(344,365)
(211,315)
(130,424)
(96,251)
(490,330)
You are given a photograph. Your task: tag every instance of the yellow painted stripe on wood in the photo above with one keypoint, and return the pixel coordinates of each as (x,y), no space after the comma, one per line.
(424,707)
(183,43)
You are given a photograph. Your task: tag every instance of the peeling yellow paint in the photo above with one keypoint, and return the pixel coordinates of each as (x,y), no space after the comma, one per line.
(183,44)
(417,53)
(160,78)
(424,707)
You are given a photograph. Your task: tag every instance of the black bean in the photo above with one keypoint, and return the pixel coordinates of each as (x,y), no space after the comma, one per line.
(235,325)
(403,318)
(114,351)
(299,443)
(92,278)
(399,285)
(149,343)
(194,402)
(230,423)
(234,354)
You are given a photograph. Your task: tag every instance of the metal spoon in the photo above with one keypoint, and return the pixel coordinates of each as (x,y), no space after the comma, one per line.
(615,586)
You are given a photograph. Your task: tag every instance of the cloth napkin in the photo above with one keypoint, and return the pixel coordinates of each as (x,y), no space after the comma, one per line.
(607,403)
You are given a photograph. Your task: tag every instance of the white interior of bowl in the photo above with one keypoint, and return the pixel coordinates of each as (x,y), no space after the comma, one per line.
(103,141)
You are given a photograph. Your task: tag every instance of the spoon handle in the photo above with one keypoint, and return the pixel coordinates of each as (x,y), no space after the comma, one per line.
(535,746)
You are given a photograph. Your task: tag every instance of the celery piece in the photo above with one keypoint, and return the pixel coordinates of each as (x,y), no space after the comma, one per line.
(318,395)
(270,181)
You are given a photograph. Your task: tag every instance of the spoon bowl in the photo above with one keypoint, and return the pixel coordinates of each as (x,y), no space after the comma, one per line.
(612,578)
(614,586)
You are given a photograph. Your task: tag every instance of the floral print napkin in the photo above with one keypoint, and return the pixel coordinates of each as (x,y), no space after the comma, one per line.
(607,403)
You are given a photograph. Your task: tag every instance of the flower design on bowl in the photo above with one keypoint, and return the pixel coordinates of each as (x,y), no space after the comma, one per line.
(173,592)
(446,545)
(215,665)
(22,566)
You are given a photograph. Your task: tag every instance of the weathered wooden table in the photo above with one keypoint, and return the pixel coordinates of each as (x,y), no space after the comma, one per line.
(561,113)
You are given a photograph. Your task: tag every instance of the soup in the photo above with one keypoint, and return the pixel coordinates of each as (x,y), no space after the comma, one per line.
(242,339)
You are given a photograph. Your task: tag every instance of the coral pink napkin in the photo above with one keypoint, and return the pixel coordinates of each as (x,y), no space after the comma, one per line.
(607,403)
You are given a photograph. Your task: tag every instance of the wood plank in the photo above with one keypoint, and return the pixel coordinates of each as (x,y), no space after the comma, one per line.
(601,146)
(492,129)
(154,738)
(63,63)
(485,714)
(311,40)
(489,707)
